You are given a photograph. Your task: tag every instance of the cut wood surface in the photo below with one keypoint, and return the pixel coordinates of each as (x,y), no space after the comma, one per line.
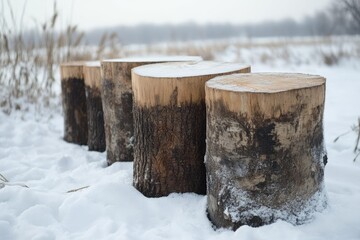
(118,103)
(157,82)
(265,152)
(95,116)
(169,116)
(74,102)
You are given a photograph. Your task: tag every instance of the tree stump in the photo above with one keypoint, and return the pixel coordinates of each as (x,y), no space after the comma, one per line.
(118,103)
(95,116)
(265,152)
(170,125)
(74,103)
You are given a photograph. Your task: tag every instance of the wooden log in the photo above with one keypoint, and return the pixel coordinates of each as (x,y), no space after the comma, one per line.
(74,103)
(265,152)
(169,116)
(95,116)
(118,103)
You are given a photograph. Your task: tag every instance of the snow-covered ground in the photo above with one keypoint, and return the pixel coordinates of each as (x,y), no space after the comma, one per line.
(33,153)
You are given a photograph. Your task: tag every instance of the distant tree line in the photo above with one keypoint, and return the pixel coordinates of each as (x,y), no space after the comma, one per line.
(341,17)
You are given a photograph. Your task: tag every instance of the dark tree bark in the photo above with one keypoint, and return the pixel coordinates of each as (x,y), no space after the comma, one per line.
(118,104)
(95,116)
(265,153)
(170,121)
(173,145)
(74,103)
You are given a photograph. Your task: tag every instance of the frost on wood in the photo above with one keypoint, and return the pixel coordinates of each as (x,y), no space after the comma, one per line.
(191,69)
(265,154)
(118,103)
(74,103)
(170,121)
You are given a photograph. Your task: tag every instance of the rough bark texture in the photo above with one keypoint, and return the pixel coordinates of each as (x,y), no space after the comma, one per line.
(169,149)
(118,106)
(74,106)
(95,116)
(265,165)
(170,128)
(118,110)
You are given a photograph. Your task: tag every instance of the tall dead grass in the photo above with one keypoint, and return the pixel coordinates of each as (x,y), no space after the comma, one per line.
(28,66)
(29,62)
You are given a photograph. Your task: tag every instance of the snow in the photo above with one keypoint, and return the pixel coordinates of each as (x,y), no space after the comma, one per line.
(32,153)
(303,214)
(187,69)
(76,63)
(92,64)
(144,59)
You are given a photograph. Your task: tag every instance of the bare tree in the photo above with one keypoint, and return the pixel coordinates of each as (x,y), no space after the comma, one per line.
(352,7)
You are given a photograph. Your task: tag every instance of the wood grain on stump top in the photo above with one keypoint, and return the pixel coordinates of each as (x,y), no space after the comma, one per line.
(265,82)
(274,93)
(153,84)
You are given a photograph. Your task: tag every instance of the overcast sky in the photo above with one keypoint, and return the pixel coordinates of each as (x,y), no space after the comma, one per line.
(88,14)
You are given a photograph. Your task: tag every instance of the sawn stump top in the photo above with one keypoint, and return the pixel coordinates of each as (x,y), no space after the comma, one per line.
(265,82)
(188,69)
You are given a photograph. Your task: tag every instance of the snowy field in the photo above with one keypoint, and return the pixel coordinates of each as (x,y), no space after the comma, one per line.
(33,153)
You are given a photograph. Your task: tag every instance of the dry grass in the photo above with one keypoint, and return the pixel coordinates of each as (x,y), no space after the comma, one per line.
(29,67)
(319,50)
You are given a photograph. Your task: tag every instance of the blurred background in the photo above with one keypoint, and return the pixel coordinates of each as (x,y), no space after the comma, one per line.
(142,21)
(36,36)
